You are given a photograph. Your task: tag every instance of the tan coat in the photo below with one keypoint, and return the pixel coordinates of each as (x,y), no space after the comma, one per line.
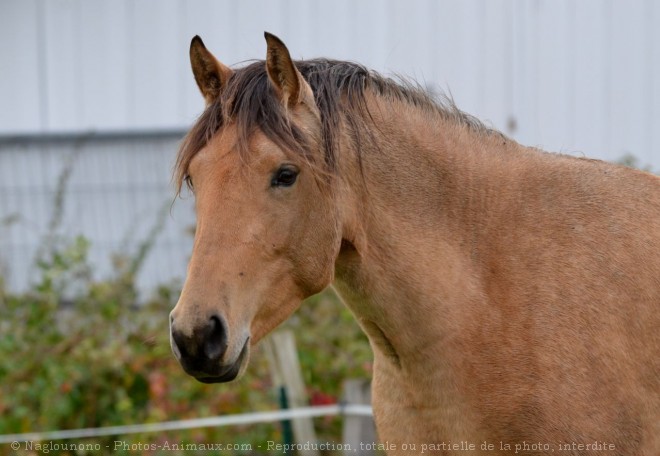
(511,296)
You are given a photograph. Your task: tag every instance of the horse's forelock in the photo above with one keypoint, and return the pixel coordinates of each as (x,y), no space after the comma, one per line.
(250,102)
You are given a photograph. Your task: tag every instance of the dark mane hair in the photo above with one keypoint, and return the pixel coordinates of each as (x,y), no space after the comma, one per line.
(339,88)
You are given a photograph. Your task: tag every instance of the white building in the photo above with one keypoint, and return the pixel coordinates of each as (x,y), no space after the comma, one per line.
(106,85)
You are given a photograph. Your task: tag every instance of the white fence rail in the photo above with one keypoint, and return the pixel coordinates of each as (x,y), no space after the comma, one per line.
(215,421)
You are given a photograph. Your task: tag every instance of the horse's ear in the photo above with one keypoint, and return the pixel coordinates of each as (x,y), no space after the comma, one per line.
(287,80)
(211,75)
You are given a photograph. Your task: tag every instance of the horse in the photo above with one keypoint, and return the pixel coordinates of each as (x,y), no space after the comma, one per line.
(511,296)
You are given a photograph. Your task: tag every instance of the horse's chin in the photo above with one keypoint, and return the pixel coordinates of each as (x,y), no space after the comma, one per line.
(230,372)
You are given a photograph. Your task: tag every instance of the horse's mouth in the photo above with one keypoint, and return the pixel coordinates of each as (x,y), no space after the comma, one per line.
(225,373)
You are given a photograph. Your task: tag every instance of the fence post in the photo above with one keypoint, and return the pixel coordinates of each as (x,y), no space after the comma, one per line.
(359,429)
(285,367)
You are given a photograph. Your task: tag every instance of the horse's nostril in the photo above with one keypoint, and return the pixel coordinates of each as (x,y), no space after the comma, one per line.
(180,342)
(215,342)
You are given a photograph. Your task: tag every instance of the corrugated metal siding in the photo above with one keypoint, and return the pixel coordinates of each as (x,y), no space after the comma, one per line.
(118,190)
(572,76)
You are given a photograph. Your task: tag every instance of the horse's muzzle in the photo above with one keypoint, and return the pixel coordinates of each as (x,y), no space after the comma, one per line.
(201,354)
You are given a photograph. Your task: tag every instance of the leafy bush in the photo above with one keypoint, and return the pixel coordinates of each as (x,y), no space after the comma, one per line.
(76,352)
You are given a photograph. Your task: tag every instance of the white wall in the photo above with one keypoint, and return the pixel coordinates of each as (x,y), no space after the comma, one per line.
(573,76)
(116,194)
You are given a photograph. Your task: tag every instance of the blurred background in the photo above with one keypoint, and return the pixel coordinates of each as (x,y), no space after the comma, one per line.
(95,96)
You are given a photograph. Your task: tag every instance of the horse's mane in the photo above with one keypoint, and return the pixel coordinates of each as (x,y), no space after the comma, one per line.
(339,88)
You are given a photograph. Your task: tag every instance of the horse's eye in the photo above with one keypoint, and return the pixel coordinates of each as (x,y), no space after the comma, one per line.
(189,181)
(284,177)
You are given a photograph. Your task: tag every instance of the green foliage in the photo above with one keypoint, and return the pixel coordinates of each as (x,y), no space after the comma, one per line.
(77,352)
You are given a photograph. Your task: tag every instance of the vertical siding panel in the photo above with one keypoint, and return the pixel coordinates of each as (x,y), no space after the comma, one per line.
(570,75)
(39,186)
(103,38)
(371,37)
(495,64)
(63,62)
(8,211)
(459,63)
(424,46)
(154,67)
(651,116)
(654,151)
(215,23)
(553,64)
(300,24)
(19,67)
(250,23)
(590,81)
(525,74)
(627,90)
(21,194)
(403,38)
(334,39)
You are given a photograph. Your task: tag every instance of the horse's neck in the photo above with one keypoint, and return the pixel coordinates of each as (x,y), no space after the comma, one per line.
(410,209)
